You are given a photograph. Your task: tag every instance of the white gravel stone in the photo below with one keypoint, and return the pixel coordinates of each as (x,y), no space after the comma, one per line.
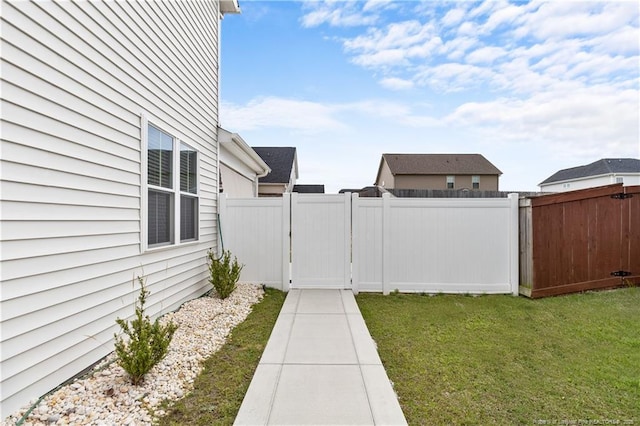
(106,397)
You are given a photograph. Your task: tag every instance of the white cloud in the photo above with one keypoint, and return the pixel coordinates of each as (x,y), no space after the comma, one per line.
(486,55)
(557,20)
(624,41)
(453,17)
(395,83)
(336,14)
(377,5)
(596,120)
(453,77)
(490,45)
(455,49)
(275,112)
(397,35)
(312,117)
(395,45)
(502,16)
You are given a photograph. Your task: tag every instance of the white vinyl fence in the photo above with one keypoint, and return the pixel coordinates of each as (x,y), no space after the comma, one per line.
(376,244)
(256,231)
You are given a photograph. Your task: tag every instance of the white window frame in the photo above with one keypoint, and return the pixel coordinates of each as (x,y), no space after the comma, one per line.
(451,180)
(145,122)
(475,179)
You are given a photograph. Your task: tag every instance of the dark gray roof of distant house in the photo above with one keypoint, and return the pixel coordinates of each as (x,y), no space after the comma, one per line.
(309,189)
(440,164)
(367,191)
(280,160)
(604,166)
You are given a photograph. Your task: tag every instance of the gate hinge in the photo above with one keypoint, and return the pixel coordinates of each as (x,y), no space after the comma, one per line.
(620,273)
(621,196)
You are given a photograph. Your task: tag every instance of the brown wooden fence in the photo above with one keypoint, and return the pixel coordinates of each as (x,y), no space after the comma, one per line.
(580,240)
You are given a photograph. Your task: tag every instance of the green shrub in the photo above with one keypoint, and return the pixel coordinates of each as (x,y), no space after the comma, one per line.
(223,274)
(147,344)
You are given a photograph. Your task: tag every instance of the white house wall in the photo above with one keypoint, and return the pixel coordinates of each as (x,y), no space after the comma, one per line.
(236,185)
(591,182)
(76,78)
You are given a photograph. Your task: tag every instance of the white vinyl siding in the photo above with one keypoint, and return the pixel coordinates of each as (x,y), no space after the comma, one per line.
(628,179)
(75,78)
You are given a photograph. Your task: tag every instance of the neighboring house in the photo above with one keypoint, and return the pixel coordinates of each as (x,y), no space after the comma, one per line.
(240,166)
(309,189)
(283,162)
(109,172)
(437,171)
(602,172)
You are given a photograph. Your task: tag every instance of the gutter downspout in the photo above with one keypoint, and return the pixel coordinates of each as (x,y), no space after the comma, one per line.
(218,47)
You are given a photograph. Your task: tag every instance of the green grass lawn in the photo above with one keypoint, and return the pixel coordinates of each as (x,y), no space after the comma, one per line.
(220,388)
(510,360)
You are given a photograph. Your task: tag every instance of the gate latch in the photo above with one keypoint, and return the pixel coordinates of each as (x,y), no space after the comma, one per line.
(621,196)
(621,273)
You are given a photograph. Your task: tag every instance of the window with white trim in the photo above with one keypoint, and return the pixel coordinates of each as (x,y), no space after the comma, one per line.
(451,182)
(475,182)
(172,189)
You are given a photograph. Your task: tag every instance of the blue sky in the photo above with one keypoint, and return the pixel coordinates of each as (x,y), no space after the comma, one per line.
(533,86)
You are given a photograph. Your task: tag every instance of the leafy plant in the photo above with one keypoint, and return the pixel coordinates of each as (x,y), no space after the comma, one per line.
(147,342)
(223,274)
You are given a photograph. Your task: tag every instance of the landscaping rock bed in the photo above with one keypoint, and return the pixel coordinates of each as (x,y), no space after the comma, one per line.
(106,397)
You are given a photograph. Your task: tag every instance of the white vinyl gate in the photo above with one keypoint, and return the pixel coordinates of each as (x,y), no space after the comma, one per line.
(375,244)
(320,241)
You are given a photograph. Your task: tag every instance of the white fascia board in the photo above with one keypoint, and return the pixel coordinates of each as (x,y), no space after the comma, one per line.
(295,165)
(555,182)
(236,146)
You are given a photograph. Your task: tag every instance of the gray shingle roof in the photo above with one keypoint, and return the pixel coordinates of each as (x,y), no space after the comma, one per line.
(604,166)
(309,189)
(279,159)
(440,164)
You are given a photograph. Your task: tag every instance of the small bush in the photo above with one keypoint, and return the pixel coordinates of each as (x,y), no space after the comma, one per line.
(147,343)
(223,274)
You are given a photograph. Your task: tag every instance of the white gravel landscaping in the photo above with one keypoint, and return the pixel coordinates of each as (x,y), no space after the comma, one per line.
(106,397)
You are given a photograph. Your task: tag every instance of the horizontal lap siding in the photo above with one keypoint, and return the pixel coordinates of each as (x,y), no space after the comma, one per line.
(75,79)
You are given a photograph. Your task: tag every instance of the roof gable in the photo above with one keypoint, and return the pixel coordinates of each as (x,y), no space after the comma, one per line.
(281,161)
(603,166)
(440,164)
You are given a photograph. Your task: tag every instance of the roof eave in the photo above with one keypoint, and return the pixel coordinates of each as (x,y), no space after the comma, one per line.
(554,182)
(237,146)
(229,7)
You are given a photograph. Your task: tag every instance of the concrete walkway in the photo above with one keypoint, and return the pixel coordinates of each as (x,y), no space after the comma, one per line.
(320,367)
